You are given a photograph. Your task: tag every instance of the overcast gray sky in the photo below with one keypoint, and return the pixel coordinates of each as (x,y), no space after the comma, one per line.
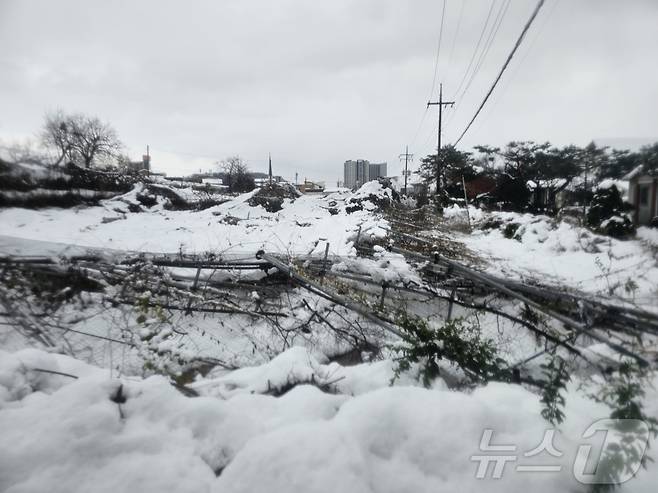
(319,82)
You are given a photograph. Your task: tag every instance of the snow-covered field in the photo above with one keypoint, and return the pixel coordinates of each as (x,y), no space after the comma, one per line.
(303,226)
(290,419)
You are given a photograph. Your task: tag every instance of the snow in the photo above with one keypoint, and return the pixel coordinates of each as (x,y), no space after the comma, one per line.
(297,366)
(26,371)
(372,188)
(622,186)
(159,230)
(562,253)
(650,235)
(385,267)
(457,212)
(289,420)
(67,434)
(337,190)
(554,183)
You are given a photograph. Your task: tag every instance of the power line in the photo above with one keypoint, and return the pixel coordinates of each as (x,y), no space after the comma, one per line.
(431,135)
(436,70)
(477,46)
(438,49)
(420,126)
(502,70)
(524,56)
(454,38)
(495,26)
(493,31)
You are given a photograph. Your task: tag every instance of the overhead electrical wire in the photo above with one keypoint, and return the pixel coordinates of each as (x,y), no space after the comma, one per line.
(420,125)
(493,31)
(454,38)
(431,135)
(502,70)
(524,57)
(436,71)
(477,47)
(438,49)
(495,26)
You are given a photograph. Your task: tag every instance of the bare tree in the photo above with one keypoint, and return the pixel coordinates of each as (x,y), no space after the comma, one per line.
(237,174)
(80,138)
(56,134)
(26,151)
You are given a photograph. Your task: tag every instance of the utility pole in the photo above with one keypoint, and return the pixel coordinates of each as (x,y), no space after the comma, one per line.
(148,160)
(441,103)
(407,156)
(270,170)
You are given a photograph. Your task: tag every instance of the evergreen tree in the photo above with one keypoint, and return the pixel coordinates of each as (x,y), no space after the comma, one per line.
(607,213)
(454,165)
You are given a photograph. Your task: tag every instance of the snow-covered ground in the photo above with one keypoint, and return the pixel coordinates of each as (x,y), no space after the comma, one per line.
(289,419)
(650,235)
(303,226)
(62,434)
(560,253)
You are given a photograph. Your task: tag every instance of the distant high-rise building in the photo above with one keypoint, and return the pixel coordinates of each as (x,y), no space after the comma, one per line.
(358,172)
(376,170)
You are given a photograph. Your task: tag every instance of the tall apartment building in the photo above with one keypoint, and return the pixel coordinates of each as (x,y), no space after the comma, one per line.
(358,172)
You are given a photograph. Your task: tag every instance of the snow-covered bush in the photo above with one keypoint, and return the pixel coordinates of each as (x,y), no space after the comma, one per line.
(371,196)
(272,195)
(608,213)
(461,214)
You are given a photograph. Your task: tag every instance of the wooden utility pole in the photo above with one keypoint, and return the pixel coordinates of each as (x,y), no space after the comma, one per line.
(407,156)
(441,103)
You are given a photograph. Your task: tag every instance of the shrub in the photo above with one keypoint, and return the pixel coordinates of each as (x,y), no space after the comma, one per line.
(457,341)
(608,214)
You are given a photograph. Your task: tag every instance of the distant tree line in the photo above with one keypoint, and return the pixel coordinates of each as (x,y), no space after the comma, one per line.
(513,166)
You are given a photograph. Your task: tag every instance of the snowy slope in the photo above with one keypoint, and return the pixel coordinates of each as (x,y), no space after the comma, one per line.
(298,228)
(561,253)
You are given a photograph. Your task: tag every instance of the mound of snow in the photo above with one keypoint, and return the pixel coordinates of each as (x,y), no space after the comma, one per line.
(650,235)
(273,196)
(457,212)
(298,366)
(30,370)
(80,436)
(371,196)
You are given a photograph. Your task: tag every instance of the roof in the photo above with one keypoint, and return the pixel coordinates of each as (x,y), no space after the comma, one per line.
(552,183)
(637,171)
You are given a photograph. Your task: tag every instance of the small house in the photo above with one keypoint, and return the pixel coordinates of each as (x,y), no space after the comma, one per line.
(548,194)
(479,189)
(310,186)
(642,194)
